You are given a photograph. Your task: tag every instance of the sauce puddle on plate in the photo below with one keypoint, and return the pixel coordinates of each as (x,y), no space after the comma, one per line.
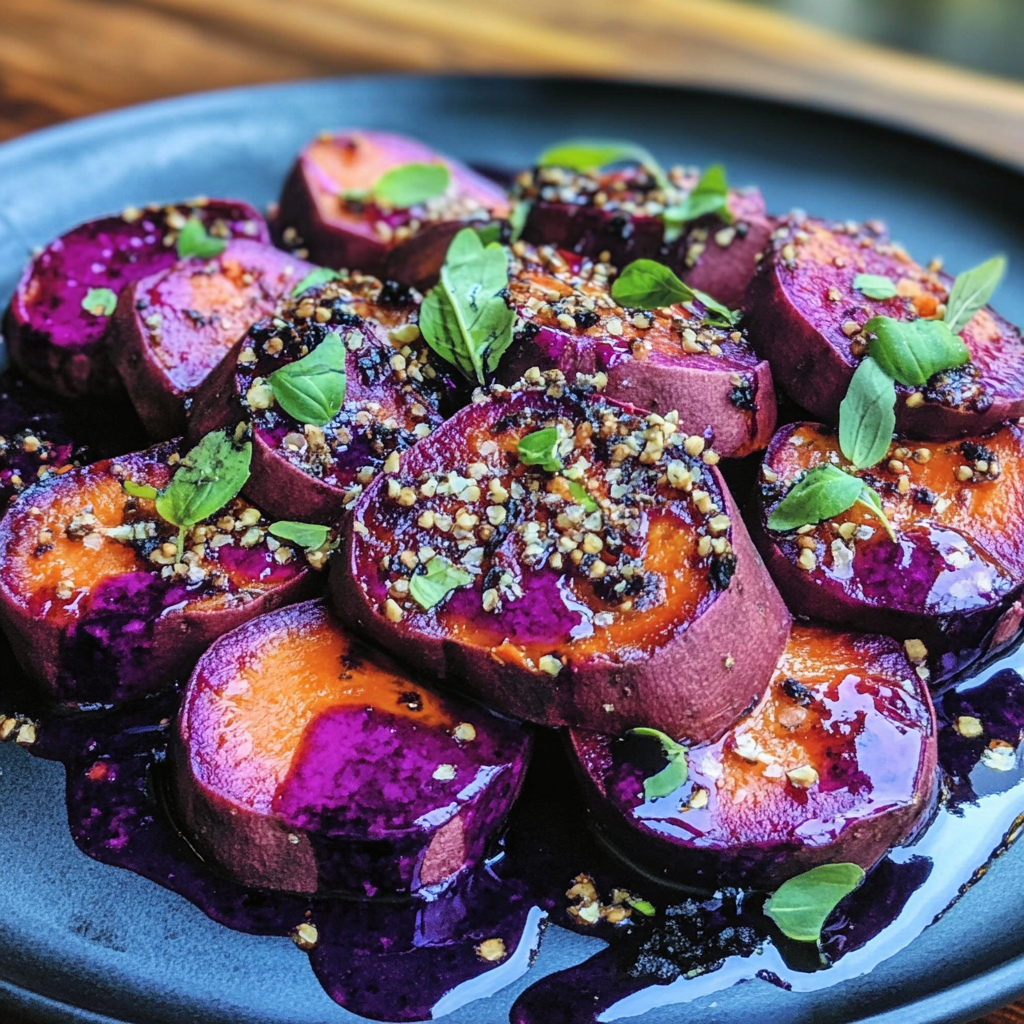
(413,959)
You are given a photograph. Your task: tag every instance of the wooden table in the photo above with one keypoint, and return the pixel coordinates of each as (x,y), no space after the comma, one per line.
(66,58)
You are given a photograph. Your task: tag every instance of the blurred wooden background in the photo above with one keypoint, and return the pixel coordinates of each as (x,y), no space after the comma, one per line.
(66,58)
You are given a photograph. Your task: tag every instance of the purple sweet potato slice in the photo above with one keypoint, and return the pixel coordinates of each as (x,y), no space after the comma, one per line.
(312,473)
(836,764)
(93,598)
(629,595)
(806,317)
(307,761)
(171,329)
(618,213)
(404,245)
(62,346)
(658,360)
(958,560)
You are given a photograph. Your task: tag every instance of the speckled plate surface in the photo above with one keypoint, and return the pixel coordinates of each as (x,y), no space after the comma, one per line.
(84,942)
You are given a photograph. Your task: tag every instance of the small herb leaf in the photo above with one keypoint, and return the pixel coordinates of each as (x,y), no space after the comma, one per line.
(911,351)
(867,415)
(488,233)
(441,578)
(208,478)
(306,535)
(139,490)
(875,286)
(709,195)
(971,290)
(99,301)
(579,493)
(540,448)
(648,284)
(312,389)
(195,240)
(823,492)
(517,219)
(870,500)
(465,318)
(801,906)
(645,907)
(314,279)
(715,313)
(674,774)
(587,155)
(411,184)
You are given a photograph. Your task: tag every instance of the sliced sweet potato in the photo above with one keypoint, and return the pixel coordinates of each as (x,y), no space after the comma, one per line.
(837,763)
(958,560)
(94,598)
(307,761)
(624,591)
(805,316)
(659,360)
(314,473)
(173,327)
(58,343)
(618,213)
(318,214)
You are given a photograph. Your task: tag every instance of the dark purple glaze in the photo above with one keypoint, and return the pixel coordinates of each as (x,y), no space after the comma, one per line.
(62,346)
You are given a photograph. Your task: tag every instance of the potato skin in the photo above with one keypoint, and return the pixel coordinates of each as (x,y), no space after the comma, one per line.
(160,392)
(134,633)
(847,705)
(801,303)
(957,565)
(695,684)
(336,237)
(296,813)
(64,348)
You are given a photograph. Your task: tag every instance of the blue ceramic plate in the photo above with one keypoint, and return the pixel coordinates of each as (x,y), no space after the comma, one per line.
(84,942)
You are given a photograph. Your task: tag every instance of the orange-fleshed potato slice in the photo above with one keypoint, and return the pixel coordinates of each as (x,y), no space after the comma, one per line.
(620,591)
(307,761)
(836,764)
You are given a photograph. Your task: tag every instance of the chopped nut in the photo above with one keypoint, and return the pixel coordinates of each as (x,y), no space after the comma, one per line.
(793,717)
(550,664)
(916,651)
(719,524)
(969,727)
(491,950)
(26,735)
(391,463)
(923,455)
(306,936)
(693,445)
(393,610)
(464,732)
(803,777)
(807,560)
(964,473)
(445,772)
(914,400)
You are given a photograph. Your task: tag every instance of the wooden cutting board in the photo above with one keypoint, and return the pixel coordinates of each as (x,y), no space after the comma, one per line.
(67,58)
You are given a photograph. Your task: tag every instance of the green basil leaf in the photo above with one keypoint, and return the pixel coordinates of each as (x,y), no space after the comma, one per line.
(517,219)
(488,233)
(867,415)
(579,492)
(540,448)
(648,284)
(194,240)
(587,155)
(99,301)
(709,195)
(644,907)
(911,351)
(714,312)
(306,535)
(314,279)
(875,286)
(801,906)
(971,290)
(823,492)
(411,184)
(312,389)
(464,317)
(139,490)
(674,774)
(433,586)
(870,500)
(208,478)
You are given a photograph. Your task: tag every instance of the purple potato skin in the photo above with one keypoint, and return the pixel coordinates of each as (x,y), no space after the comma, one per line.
(132,635)
(279,484)
(800,301)
(728,398)
(358,810)
(911,589)
(64,348)
(712,669)
(335,238)
(872,741)
(159,392)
